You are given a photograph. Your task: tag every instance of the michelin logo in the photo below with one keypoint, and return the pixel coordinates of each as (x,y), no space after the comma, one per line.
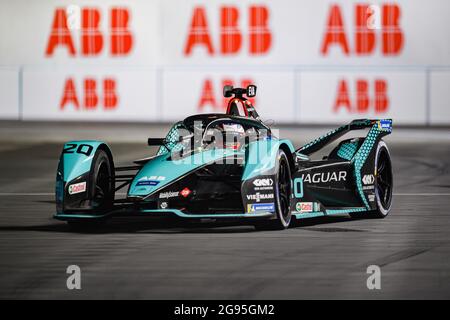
(266,207)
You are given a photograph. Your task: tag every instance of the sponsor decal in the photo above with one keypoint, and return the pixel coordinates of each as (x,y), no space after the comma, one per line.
(77,31)
(371,187)
(268,207)
(150,181)
(362,101)
(385,124)
(257,41)
(169,194)
(375,27)
(263,182)
(185,192)
(371,197)
(163,205)
(304,207)
(159,178)
(368,179)
(77,188)
(324,177)
(92,95)
(259,196)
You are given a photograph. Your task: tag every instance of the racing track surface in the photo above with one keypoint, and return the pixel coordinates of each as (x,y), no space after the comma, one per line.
(324,258)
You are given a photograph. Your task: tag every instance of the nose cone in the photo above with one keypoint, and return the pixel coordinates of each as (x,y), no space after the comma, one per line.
(161,171)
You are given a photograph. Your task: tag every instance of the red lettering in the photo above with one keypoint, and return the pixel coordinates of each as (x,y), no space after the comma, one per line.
(121,37)
(260,36)
(231,37)
(109,93)
(207,96)
(69,95)
(380,101)
(392,34)
(199,33)
(381,98)
(362,96)
(90,95)
(364,37)
(60,34)
(335,33)
(342,99)
(91,38)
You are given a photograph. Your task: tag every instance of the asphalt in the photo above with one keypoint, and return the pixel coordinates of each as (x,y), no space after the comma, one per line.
(154,259)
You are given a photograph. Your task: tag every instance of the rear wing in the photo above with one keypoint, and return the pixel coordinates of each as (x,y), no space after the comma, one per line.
(381,126)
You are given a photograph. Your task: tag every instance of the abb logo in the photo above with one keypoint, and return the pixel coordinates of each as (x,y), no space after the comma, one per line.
(91,39)
(231,38)
(91,98)
(364,37)
(379,102)
(208,94)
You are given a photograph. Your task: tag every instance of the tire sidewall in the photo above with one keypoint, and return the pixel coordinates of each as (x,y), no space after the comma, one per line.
(100,158)
(381,210)
(281,156)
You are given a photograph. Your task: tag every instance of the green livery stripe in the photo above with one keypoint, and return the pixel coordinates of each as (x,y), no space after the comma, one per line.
(361,157)
(347,150)
(90,216)
(315,214)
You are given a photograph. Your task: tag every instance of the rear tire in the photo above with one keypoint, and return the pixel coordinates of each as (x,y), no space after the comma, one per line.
(383,184)
(383,181)
(282,197)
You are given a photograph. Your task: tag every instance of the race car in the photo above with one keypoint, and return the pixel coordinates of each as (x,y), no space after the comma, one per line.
(230,166)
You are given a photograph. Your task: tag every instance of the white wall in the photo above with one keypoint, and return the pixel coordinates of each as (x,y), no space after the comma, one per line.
(163,78)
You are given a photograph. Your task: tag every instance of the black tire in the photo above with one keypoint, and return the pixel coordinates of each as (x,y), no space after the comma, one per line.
(383,184)
(101,189)
(102,182)
(282,197)
(384,181)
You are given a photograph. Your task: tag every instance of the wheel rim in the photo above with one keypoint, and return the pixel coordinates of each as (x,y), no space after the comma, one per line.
(384,179)
(284,190)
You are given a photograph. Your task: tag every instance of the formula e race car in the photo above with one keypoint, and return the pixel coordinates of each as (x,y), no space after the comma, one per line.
(230,166)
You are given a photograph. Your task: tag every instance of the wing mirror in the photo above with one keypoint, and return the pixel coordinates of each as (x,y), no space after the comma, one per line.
(227,91)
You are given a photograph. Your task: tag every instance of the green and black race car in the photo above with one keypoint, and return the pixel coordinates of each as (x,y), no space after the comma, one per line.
(230,166)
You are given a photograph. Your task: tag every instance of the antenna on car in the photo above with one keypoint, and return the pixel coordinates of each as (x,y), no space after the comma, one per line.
(250,91)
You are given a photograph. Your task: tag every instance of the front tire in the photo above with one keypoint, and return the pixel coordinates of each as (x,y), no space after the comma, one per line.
(282,196)
(102,182)
(101,191)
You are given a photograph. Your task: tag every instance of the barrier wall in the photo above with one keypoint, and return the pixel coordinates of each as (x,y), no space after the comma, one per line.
(313,61)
